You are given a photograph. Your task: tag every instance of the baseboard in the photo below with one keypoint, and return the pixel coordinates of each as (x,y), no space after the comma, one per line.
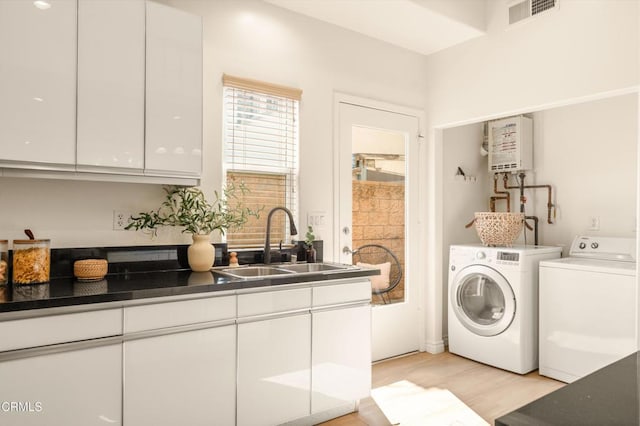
(435,347)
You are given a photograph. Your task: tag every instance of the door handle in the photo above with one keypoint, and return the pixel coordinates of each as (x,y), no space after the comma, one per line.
(346,250)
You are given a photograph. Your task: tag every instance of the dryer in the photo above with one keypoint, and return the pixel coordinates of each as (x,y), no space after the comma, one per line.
(493,304)
(588,307)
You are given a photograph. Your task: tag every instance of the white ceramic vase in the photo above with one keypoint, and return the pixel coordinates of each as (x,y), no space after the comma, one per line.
(201,254)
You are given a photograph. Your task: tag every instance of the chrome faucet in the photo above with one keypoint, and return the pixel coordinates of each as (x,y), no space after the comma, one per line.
(267,238)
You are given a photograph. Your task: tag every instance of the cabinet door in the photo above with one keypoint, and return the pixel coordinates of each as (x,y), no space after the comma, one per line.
(341,369)
(80,387)
(38,81)
(111,61)
(181,379)
(274,359)
(174,92)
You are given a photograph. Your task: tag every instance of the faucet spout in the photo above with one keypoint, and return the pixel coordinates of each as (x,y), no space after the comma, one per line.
(267,238)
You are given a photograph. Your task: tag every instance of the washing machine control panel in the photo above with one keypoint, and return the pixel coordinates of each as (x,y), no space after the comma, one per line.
(604,248)
(508,256)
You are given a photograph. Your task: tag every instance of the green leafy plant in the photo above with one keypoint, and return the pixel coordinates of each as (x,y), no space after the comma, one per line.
(309,237)
(187,207)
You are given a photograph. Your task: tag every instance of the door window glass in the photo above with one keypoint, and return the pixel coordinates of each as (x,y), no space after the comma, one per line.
(481,299)
(378,171)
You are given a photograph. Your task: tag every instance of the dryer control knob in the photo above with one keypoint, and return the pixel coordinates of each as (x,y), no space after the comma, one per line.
(582,246)
(480,255)
(594,245)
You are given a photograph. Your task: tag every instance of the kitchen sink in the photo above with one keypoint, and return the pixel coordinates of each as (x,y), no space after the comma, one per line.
(311,267)
(254,271)
(263,271)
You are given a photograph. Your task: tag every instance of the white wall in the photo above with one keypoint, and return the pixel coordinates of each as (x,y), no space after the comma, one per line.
(250,39)
(584,48)
(582,51)
(77,214)
(461,198)
(586,152)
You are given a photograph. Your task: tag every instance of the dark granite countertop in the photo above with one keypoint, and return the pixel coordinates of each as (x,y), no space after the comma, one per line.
(139,285)
(606,397)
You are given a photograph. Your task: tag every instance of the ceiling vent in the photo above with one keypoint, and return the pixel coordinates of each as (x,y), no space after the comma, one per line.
(521,10)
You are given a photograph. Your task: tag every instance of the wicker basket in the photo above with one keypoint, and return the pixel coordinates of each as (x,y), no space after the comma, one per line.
(497,228)
(90,269)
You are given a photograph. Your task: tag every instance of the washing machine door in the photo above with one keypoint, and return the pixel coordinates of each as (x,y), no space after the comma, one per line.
(482,300)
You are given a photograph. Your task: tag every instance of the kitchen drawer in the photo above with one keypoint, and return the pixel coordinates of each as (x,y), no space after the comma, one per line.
(172,314)
(269,302)
(49,330)
(335,294)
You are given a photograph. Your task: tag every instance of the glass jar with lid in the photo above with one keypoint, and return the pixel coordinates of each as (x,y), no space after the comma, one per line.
(31,261)
(4,262)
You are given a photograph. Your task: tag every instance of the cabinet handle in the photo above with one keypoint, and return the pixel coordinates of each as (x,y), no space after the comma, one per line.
(358,304)
(177,329)
(277,315)
(61,347)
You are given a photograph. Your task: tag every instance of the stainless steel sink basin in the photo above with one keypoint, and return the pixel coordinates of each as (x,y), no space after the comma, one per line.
(254,271)
(264,271)
(311,267)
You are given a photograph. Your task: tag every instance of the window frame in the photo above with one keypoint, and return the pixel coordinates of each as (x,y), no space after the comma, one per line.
(289,167)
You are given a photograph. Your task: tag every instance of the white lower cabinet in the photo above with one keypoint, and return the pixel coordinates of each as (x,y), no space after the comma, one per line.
(341,368)
(80,387)
(185,378)
(266,357)
(180,362)
(274,377)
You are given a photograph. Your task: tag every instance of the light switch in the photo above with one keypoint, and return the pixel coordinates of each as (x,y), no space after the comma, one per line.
(318,220)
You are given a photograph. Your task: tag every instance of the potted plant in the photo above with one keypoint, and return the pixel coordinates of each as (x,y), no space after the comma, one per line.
(309,238)
(188,208)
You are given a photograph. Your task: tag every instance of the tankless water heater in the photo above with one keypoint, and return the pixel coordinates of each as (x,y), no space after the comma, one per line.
(510,144)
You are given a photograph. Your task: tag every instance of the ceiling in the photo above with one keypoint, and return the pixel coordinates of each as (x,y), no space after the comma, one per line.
(423,26)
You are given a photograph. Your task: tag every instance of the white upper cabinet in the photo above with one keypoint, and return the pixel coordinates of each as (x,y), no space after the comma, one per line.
(111,68)
(173,92)
(38,82)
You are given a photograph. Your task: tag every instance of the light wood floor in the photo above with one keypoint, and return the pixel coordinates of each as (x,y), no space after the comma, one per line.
(488,391)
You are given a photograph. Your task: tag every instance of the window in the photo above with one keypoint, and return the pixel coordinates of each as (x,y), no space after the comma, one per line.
(261,151)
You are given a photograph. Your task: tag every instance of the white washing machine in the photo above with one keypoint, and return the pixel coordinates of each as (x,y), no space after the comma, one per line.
(587,307)
(493,304)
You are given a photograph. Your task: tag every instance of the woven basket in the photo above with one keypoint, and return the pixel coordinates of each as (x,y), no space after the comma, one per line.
(90,269)
(498,228)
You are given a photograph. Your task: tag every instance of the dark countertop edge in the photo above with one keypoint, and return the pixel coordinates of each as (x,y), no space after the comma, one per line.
(230,285)
(608,396)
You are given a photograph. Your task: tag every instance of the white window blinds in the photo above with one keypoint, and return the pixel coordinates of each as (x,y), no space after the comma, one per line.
(261,151)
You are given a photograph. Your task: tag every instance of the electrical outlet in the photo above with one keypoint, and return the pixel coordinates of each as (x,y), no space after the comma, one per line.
(120,220)
(594,223)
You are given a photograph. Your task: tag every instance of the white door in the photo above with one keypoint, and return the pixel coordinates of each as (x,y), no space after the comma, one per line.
(377,161)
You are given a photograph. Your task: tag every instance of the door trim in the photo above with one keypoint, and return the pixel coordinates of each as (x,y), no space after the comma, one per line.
(425,319)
